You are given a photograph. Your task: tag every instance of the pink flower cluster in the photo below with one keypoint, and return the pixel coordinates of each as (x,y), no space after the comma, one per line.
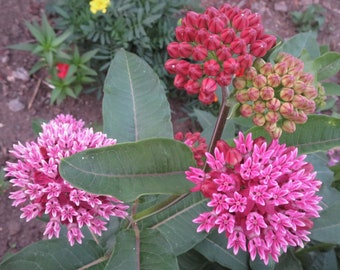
(277,96)
(214,46)
(196,143)
(43,191)
(262,196)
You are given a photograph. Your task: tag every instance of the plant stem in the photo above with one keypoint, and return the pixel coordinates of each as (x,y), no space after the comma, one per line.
(220,123)
(101,259)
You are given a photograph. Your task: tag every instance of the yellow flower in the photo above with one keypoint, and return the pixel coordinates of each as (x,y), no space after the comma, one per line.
(99,5)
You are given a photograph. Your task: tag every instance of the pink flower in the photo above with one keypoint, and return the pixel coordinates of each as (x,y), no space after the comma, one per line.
(264,201)
(43,191)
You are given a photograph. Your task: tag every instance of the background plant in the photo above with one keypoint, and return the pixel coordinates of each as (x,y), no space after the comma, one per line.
(311,19)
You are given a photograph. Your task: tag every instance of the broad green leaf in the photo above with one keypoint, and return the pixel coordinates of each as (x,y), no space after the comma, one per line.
(151,252)
(56,254)
(319,133)
(130,170)
(327,65)
(135,105)
(322,261)
(295,45)
(331,89)
(288,261)
(214,248)
(193,260)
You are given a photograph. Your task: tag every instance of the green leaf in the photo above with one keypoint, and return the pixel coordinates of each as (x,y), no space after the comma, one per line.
(331,89)
(23,47)
(55,254)
(152,252)
(134,106)
(214,248)
(36,33)
(130,170)
(60,39)
(322,261)
(327,65)
(319,133)
(288,261)
(180,215)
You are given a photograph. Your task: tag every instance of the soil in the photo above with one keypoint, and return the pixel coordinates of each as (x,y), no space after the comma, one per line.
(20,105)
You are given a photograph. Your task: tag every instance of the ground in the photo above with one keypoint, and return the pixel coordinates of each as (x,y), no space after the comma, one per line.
(24,98)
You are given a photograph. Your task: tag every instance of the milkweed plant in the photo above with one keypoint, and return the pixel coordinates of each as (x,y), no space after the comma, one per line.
(252,190)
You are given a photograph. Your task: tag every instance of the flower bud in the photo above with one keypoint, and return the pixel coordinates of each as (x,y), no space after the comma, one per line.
(216,25)
(240,21)
(269,39)
(272,117)
(213,42)
(310,92)
(202,35)
(212,12)
(170,65)
(259,107)
(258,48)
(288,126)
(228,35)
(246,110)
(253,93)
(208,188)
(231,12)
(267,93)
(287,94)
(310,106)
(208,86)
(258,63)
(242,96)
(254,19)
(281,68)
(172,49)
(259,119)
(266,69)
(276,133)
(199,53)
(224,78)
(299,87)
(273,80)
(300,118)
(232,156)
(191,19)
(288,80)
(250,73)
(180,32)
(203,20)
(273,104)
(211,67)
(287,109)
(206,98)
(245,61)
(182,67)
(189,34)
(231,65)
(270,127)
(249,35)
(180,81)
(223,53)
(195,71)
(260,81)
(192,87)
(306,78)
(238,46)
(239,83)
(299,102)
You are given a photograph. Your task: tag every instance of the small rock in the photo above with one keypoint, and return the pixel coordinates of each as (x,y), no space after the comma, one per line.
(13,227)
(15,105)
(21,74)
(281,6)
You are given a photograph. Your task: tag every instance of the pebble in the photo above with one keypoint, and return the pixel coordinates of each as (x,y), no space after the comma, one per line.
(15,105)
(13,227)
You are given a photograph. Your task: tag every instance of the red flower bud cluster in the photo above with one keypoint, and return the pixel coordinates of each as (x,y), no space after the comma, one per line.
(62,70)
(278,96)
(214,46)
(196,143)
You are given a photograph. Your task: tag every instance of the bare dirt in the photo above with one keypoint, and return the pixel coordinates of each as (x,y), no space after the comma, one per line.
(19,105)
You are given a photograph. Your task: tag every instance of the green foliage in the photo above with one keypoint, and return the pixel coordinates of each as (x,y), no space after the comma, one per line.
(4,185)
(311,19)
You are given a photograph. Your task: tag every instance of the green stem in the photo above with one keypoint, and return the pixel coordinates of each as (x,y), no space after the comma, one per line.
(158,208)
(220,123)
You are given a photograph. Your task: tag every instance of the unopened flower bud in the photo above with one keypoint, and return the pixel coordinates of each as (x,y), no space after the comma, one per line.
(180,33)
(213,42)
(228,35)
(288,80)
(276,133)
(191,19)
(211,67)
(239,83)
(266,69)
(212,12)
(170,65)
(246,110)
(209,85)
(269,39)
(258,63)
(224,78)
(238,46)
(299,87)
(258,48)
(287,94)
(192,87)
(172,49)
(249,35)
(254,19)
(250,73)
(273,80)
(273,104)
(180,81)
(281,68)
(259,107)
(310,92)
(203,21)
(299,102)
(242,96)
(202,35)
(307,78)
(288,126)
(253,93)
(233,156)
(267,93)
(270,127)
(189,34)
(240,21)
(207,98)
(300,118)
(199,53)
(231,65)
(216,25)
(195,71)
(260,81)
(182,67)
(245,60)
(310,106)
(208,188)
(272,117)
(259,119)
(287,109)
(223,53)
